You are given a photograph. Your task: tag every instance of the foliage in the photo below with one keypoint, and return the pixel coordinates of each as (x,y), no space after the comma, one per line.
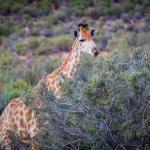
(55,44)
(5,59)
(41,46)
(76,7)
(18,85)
(51,65)
(109,111)
(9,26)
(22,47)
(106,106)
(119,89)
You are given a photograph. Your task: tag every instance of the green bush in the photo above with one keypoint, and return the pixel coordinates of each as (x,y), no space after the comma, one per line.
(5,60)
(16,7)
(9,26)
(21,48)
(8,96)
(30,75)
(55,44)
(34,43)
(8,6)
(11,89)
(31,11)
(18,85)
(52,20)
(106,110)
(51,65)
(63,42)
(30,44)
(77,7)
(4,30)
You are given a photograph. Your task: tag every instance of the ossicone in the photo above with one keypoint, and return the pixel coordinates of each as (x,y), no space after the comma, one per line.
(84,25)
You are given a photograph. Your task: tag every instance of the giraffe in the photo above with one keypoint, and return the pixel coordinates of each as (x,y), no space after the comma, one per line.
(20,118)
(84,43)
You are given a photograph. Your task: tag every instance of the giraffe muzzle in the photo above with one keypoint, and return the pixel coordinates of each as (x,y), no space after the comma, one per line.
(95,52)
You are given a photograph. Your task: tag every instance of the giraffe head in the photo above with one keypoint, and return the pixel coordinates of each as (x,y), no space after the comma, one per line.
(86,38)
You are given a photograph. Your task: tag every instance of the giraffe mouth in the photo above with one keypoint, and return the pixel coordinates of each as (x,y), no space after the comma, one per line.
(95,54)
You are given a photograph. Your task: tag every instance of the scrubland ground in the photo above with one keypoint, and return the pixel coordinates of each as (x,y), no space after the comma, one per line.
(111,110)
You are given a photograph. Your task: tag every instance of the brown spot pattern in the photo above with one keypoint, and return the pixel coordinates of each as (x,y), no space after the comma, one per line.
(22,124)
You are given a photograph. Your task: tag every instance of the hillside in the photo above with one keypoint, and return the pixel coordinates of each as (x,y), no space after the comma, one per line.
(111,110)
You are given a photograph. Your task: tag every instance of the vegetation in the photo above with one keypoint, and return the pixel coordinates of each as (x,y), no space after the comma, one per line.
(107,105)
(108,110)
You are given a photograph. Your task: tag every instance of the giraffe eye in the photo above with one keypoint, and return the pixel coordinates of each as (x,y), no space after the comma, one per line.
(82,40)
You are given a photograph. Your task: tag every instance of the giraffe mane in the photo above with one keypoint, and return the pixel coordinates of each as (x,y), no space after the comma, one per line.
(67,58)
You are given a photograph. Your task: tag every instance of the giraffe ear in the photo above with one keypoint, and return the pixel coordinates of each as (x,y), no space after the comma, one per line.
(93,32)
(76,34)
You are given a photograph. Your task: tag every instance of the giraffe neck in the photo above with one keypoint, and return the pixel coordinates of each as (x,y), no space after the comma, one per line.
(67,70)
(70,66)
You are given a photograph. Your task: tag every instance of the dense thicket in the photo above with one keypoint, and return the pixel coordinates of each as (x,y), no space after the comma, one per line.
(109,109)
(107,105)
